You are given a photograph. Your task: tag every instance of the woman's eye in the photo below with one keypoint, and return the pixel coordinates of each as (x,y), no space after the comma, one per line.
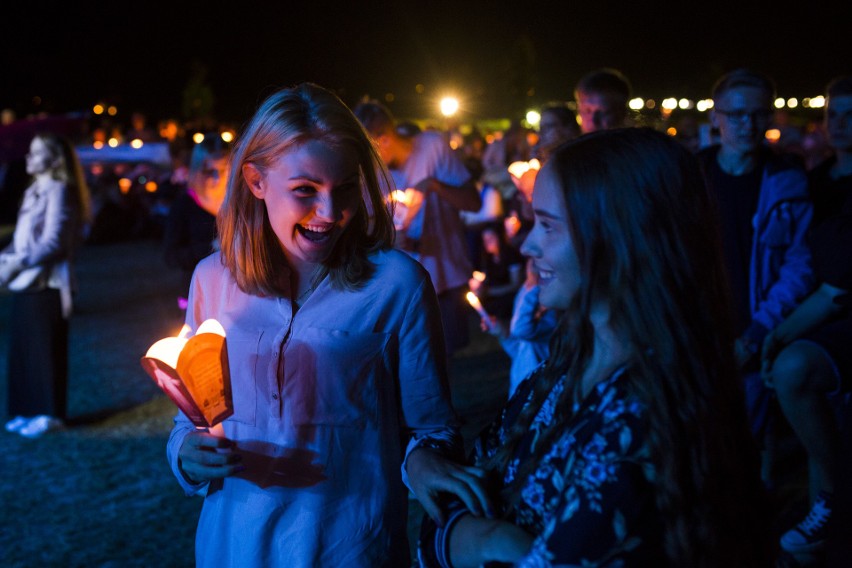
(304,190)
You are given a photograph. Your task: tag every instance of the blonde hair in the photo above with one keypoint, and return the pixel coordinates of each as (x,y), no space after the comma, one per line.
(250,249)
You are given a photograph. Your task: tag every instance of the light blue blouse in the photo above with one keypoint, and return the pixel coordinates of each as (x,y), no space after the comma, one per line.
(325,401)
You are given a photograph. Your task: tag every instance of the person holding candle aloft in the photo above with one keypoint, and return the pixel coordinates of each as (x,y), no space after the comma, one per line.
(425,163)
(629,446)
(335,353)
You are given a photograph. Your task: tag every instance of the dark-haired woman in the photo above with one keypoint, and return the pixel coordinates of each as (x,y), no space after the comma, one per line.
(629,446)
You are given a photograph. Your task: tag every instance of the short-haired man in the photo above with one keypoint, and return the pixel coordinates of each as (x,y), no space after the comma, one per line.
(765,213)
(426,163)
(602,96)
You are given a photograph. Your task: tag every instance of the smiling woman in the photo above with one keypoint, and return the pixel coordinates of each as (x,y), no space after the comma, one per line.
(614,450)
(311,193)
(335,352)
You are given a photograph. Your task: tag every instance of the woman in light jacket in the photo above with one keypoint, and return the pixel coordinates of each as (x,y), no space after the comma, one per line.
(37,267)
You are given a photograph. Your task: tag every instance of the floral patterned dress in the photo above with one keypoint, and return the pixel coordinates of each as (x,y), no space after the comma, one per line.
(590,501)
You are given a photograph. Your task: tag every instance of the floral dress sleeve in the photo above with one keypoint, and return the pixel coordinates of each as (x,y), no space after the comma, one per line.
(590,501)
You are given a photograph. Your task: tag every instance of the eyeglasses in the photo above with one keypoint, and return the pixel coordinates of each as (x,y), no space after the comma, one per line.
(740,116)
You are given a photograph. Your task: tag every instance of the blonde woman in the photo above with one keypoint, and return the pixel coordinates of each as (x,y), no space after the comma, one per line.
(336,356)
(37,267)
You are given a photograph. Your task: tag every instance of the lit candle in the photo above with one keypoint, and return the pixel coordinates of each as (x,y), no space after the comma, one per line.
(477,305)
(400,197)
(478,276)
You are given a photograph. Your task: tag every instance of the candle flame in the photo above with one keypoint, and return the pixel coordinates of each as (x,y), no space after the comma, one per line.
(478,276)
(518,169)
(473,301)
(400,197)
(168,349)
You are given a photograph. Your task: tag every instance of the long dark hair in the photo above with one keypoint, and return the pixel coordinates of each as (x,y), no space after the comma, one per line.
(648,246)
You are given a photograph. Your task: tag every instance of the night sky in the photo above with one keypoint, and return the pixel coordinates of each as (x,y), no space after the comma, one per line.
(141,57)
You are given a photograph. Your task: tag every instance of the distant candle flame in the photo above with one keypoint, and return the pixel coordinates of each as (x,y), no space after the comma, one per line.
(478,276)
(401,197)
(518,169)
(476,304)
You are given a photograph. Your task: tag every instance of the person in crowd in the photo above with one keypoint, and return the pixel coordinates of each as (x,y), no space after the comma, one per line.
(830,182)
(527,338)
(687,130)
(475,223)
(807,356)
(190,231)
(629,446)
(602,96)
(512,145)
(435,236)
(335,355)
(502,270)
(470,152)
(38,268)
(765,213)
(558,124)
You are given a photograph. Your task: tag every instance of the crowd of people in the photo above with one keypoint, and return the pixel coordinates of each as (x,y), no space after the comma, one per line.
(667,307)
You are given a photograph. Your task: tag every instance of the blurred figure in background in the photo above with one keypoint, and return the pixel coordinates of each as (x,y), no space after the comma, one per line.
(426,164)
(807,357)
(503,270)
(558,124)
(190,232)
(38,268)
(528,335)
(602,97)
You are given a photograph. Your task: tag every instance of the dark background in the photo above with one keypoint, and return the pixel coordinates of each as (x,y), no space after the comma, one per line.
(498,57)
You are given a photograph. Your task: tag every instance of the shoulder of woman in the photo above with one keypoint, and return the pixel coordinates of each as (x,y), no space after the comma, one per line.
(211,269)
(54,185)
(395,266)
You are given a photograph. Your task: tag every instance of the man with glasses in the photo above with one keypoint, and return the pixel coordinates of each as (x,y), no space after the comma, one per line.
(765,212)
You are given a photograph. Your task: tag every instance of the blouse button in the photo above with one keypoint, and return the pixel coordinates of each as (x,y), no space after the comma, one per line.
(275,396)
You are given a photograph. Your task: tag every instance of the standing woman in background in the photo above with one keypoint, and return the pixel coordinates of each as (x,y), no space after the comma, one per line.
(38,268)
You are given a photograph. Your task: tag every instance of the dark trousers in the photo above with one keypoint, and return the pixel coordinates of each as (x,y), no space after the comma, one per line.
(38,355)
